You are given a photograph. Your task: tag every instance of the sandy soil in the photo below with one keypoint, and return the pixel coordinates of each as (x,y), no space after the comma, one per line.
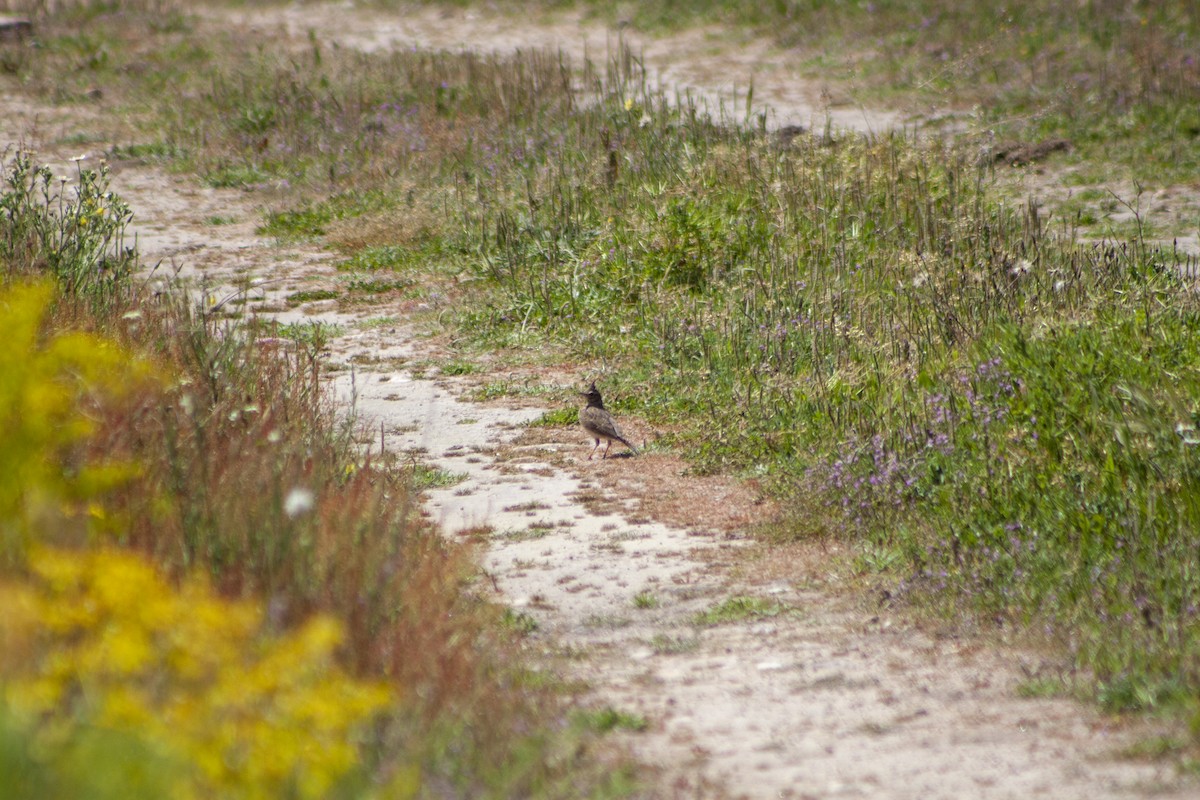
(828,695)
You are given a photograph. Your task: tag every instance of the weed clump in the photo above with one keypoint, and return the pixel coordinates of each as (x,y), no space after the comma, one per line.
(78,240)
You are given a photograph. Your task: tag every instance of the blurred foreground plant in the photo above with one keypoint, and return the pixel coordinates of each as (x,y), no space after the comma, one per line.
(49,385)
(97,643)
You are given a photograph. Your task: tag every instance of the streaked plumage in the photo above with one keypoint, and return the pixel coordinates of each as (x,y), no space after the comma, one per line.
(599,424)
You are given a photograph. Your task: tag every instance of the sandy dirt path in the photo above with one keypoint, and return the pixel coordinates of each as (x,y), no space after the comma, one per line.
(825,695)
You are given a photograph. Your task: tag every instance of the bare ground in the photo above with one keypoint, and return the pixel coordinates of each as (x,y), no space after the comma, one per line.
(827,693)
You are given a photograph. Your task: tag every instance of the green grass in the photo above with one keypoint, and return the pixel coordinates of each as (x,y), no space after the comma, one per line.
(646,600)
(1041,687)
(875,557)
(316,335)
(362,287)
(1157,747)
(530,533)
(385,257)
(738,609)
(396,257)
(519,621)
(608,719)
(424,477)
(235,177)
(557,418)
(382,321)
(507,388)
(311,295)
(458,367)
(297,225)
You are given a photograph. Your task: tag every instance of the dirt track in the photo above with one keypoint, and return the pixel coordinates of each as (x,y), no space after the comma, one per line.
(828,696)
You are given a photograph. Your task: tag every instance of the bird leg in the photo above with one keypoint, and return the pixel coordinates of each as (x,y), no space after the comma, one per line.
(606,449)
(594,449)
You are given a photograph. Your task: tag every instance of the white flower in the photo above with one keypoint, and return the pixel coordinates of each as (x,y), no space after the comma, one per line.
(299,501)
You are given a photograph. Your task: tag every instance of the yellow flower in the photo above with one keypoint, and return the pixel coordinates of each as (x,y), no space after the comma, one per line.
(21,625)
(125,707)
(45,385)
(256,716)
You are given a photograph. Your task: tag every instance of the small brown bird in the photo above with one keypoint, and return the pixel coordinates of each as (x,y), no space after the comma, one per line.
(600,424)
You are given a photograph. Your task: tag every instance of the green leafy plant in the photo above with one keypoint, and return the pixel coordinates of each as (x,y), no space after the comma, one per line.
(76,236)
(737,609)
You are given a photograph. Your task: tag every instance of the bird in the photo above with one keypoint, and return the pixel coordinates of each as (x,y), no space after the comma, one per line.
(599,424)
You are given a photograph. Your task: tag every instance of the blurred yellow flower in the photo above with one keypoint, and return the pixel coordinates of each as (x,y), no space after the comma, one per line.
(99,638)
(46,383)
